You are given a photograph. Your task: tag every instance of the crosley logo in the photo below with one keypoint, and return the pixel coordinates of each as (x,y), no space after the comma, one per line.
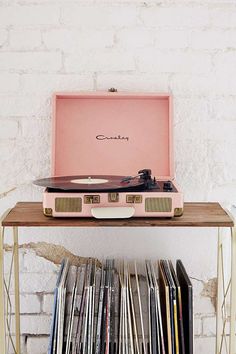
(118,137)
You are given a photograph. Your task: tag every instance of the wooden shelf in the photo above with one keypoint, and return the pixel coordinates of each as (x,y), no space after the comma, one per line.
(30,214)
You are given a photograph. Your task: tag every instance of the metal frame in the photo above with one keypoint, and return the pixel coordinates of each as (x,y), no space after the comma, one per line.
(7,342)
(226,295)
(233,292)
(226,290)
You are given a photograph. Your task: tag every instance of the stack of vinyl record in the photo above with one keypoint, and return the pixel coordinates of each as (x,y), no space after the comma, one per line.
(122,308)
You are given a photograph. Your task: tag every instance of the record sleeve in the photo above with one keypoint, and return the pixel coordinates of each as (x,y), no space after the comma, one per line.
(179,310)
(172,297)
(165,308)
(53,332)
(158,310)
(175,315)
(187,305)
(140,310)
(154,323)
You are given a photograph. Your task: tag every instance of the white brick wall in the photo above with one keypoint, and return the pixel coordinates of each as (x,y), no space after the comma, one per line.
(73,40)
(29,15)
(9,129)
(99,60)
(29,303)
(10,83)
(30,61)
(37,345)
(99,16)
(185,47)
(3,37)
(35,324)
(24,39)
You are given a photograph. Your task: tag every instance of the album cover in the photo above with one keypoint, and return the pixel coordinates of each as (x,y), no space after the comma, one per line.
(187,305)
(179,310)
(172,298)
(54,312)
(165,308)
(112,310)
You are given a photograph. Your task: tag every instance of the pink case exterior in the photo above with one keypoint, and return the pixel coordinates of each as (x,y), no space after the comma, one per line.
(139,209)
(112,133)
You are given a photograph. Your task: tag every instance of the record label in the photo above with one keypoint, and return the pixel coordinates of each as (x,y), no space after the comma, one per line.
(89,180)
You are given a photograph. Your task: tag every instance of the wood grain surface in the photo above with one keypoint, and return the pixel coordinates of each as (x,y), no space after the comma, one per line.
(30,214)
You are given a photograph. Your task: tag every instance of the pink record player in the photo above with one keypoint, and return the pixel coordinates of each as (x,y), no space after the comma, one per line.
(112,157)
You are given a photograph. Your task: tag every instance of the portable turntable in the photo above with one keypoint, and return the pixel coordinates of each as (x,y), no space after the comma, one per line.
(101,142)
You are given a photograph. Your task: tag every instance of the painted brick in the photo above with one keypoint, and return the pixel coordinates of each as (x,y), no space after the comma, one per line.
(26,105)
(184,109)
(111,60)
(135,38)
(34,263)
(193,84)
(73,40)
(37,345)
(205,345)
(8,255)
(9,83)
(175,16)
(23,15)
(222,155)
(168,39)
(223,16)
(35,282)
(197,326)
(202,304)
(225,63)
(209,326)
(224,82)
(23,348)
(133,82)
(49,83)
(30,61)
(48,303)
(222,130)
(35,324)
(3,37)
(25,39)
(224,108)
(98,16)
(212,39)
(29,304)
(9,129)
(35,128)
(174,62)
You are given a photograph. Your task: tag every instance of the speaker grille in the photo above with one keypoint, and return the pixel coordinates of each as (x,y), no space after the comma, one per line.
(66,205)
(158,204)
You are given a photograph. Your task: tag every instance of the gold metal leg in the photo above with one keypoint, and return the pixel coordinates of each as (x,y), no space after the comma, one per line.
(233,292)
(6,339)
(2,288)
(224,282)
(2,301)
(17,288)
(220,297)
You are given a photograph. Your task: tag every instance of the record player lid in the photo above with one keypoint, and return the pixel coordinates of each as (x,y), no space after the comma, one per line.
(112,133)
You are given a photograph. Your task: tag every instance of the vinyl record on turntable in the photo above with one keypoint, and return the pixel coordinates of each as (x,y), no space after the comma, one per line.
(90,183)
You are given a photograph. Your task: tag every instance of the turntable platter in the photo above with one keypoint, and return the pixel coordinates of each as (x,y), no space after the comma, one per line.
(85,183)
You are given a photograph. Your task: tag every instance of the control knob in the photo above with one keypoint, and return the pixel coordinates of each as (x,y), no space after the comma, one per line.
(167,186)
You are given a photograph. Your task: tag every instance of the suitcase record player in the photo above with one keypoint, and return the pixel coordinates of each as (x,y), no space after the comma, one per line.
(100,141)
